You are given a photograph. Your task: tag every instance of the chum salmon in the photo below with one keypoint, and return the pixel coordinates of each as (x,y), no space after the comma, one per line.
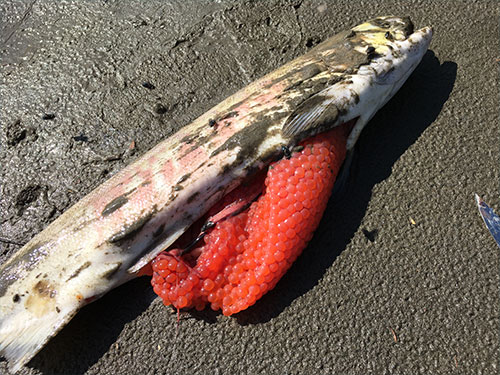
(108,236)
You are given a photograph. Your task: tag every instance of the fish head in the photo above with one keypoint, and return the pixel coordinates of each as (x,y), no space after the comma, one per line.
(388,27)
(367,65)
(394,49)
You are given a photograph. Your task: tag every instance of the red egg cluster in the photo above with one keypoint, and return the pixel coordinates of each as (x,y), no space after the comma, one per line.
(245,255)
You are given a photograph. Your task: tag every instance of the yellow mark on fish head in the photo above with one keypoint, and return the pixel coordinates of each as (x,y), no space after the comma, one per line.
(380,30)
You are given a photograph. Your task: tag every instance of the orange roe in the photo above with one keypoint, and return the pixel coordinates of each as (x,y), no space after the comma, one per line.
(245,255)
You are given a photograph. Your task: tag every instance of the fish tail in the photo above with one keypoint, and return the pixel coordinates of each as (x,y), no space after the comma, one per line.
(23,334)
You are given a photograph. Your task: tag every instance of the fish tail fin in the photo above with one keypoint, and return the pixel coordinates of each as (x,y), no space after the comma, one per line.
(23,333)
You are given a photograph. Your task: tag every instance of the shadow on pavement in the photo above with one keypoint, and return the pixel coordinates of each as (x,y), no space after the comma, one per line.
(390,133)
(96,327)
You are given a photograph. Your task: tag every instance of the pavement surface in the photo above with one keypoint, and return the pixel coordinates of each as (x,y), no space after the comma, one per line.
(401,277)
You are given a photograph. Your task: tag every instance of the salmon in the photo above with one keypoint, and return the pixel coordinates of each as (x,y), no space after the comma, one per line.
(107,237)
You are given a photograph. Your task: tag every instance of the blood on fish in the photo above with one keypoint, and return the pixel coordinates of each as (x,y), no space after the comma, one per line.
(246,254)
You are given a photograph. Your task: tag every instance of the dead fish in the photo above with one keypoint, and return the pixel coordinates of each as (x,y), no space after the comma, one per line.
(104,239)
(490,218)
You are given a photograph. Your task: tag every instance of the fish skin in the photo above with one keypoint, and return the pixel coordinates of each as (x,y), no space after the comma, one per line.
(105,238)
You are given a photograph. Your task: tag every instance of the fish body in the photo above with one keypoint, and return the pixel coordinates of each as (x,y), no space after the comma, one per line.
(104,239)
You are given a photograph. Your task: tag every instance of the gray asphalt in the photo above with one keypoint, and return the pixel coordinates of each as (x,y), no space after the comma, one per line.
(401,277)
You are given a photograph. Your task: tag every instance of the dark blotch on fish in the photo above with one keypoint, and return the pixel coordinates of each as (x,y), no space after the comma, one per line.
(192,197)
(16,298)
(131,229)
(189,138)
(311,70)
(341,52)
(114,205)
(335,79)
(343,111)
(334,54)
(159,231)
(300,77)
(228,115)
(80,269)
(212,122)
(196,140)
(250,138)
(372,54)
(184,178)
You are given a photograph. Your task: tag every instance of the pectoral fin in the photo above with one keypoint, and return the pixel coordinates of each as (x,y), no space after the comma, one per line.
(311,117)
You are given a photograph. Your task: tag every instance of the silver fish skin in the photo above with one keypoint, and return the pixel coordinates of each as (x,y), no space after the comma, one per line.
(490,218)
(104,239)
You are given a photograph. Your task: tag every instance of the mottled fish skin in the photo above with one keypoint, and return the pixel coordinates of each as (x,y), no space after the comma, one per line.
(103,240)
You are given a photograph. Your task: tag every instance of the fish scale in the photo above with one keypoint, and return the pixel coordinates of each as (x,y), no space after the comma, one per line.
(107,237)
